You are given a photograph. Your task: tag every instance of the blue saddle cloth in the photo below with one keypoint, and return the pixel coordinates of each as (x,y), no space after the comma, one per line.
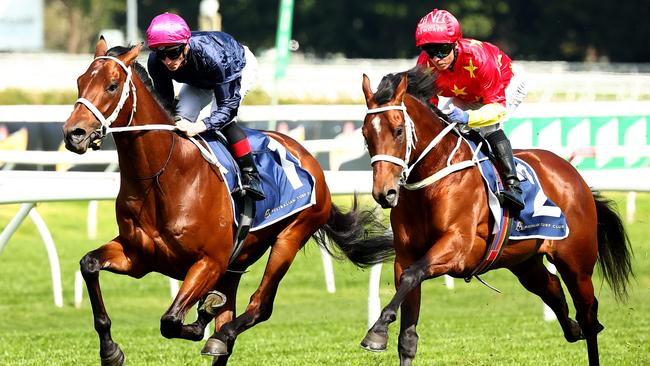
(540,218)
(288,187)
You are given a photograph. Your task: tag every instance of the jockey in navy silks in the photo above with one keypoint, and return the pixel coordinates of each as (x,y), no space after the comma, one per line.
(213,68)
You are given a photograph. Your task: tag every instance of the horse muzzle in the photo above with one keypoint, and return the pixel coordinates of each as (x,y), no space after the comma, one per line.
(78,139)
(386,198)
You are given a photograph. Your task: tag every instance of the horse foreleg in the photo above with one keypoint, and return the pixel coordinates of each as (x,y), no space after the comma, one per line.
(433,264)
(109,257)
(408,337)
(221,352)
(260,306)
(200,279)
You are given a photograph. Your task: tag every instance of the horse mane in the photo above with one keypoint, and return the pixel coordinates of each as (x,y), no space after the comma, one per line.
(421,85)
(143,75)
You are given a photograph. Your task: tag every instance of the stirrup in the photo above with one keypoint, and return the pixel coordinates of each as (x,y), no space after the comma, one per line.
(512,200)
(251,186)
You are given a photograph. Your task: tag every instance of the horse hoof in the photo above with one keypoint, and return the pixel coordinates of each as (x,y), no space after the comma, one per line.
(214,347)
(575,333)
(116,358)
(212,302)
(375,342)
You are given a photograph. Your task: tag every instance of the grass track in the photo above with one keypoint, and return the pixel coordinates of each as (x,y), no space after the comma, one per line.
(470,325)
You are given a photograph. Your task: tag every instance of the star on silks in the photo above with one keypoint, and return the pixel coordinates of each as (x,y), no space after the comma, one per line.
(473,42)
(499,59)
(458,91)
(471,69)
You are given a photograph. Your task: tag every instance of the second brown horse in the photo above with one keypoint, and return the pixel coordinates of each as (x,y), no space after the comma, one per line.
(444,227)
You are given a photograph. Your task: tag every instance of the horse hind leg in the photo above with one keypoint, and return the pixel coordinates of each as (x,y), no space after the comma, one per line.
(109,257)
(260,305)
(536,278)
(581,288)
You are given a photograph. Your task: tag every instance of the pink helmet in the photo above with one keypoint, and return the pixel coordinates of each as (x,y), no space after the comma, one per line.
(439,26)
(167,29)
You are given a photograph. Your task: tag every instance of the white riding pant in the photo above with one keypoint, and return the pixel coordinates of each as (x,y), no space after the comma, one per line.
(193,101)
(516,91)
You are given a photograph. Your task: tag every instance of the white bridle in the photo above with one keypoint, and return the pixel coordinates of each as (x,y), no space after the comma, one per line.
(411,139)
(126,91)
(108,121)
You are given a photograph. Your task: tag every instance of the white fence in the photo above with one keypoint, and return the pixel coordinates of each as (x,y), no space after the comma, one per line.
(334,78)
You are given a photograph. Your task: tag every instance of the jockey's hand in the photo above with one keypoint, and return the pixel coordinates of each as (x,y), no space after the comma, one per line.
(191,128)
(458,115)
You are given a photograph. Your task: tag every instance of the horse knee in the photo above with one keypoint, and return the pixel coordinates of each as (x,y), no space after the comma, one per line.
(170,326)
(89,266)
(102,323)
(411,277)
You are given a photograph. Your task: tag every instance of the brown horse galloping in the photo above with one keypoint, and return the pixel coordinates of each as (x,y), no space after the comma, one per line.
(175,216)
(444,227)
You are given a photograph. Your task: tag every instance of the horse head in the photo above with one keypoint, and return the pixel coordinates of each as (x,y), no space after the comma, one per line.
(102,90)
(387,137)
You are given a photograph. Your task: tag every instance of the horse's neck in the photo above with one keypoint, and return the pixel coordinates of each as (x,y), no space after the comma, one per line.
(142,153)
(428,126)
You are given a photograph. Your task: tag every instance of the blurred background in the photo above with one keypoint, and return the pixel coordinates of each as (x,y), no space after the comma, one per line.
(583,59)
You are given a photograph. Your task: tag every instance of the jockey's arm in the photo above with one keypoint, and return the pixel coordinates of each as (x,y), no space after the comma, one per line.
(487,115)
(228,99)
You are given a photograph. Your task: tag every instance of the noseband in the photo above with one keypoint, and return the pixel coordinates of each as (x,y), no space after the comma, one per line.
(411,139)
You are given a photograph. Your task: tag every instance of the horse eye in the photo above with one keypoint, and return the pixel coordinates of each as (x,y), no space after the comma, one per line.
(399,131)
(112,87)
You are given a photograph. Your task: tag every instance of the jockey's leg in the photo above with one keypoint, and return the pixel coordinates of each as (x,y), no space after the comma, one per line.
(241,150)
(512,194)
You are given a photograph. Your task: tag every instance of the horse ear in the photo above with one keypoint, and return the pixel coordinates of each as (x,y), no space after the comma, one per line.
(401,89)
(132,54)
(101,47)
(367,92)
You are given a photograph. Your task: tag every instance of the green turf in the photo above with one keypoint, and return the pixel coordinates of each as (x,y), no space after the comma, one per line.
(470,325)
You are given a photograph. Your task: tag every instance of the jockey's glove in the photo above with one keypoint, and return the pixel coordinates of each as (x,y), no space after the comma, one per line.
(191,128)
(458,115)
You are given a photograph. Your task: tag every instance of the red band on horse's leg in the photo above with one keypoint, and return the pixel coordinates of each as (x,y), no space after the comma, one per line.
(240,148)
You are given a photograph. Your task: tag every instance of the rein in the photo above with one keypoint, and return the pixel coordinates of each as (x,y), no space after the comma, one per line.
(411,138)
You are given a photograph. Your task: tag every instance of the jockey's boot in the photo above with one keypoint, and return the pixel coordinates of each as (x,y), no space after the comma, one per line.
(512,195)
(241,151)
(250,177)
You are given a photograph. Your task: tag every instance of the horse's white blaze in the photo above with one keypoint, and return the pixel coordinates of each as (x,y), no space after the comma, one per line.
(376,124)
(94,73)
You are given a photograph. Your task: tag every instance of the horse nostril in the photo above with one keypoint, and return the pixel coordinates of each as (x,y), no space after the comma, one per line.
(390,195)
(78,132)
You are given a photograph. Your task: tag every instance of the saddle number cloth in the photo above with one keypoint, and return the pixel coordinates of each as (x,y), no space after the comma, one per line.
(288,187)
(541,218)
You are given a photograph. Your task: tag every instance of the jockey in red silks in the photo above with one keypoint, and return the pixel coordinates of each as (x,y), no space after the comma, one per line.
(214,68)
(481,83)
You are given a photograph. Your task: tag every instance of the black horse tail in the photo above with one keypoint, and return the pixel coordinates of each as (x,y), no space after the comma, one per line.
(614,250)
(359,235)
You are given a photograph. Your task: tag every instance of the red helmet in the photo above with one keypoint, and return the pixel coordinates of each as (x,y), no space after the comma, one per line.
(439,26)
(166,30)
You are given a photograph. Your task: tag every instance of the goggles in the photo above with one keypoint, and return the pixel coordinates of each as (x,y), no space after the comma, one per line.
(171,52)
(439,50)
